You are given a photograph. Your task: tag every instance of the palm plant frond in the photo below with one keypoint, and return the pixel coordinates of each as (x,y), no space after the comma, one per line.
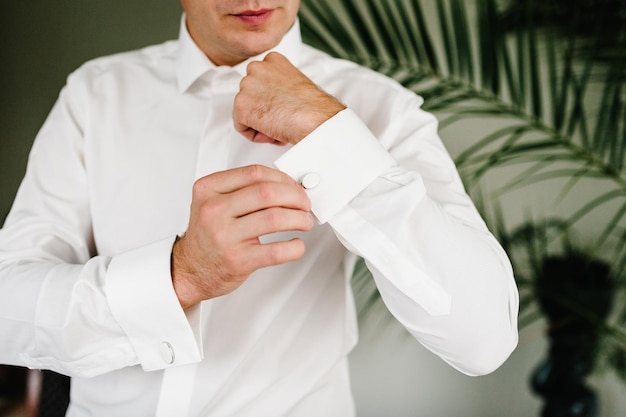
(552,77)
(394,38)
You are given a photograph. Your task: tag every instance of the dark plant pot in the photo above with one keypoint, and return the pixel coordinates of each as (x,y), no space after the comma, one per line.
(575,294)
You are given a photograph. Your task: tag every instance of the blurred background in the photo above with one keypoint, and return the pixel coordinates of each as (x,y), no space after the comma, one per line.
(532,106)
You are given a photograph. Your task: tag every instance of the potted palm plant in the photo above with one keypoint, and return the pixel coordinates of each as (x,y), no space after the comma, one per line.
(547,83)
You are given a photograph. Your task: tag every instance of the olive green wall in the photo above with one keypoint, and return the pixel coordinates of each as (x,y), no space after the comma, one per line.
(42,41)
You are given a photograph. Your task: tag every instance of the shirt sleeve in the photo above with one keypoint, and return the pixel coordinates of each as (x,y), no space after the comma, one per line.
(63,306)
(399,203)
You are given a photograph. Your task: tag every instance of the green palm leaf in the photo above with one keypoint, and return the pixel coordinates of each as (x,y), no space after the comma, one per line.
(439,62)
(553,86)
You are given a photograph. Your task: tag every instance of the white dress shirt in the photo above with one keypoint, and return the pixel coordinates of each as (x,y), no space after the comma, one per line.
(85,284)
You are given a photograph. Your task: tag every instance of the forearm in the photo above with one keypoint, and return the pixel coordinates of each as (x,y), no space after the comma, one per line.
(58,319)
(439,270)
(88,319)
(448,282)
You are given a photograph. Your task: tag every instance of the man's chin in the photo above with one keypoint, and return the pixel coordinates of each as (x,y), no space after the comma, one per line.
(259,46)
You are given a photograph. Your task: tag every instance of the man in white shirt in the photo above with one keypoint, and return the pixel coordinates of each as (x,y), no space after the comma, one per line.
(178,244)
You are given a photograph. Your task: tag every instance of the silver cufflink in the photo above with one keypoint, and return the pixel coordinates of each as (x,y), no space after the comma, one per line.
(310,180)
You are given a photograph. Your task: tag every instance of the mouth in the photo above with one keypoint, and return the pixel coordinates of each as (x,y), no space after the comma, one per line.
(254,17)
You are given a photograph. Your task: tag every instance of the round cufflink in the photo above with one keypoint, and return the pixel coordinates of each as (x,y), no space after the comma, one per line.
(167,353)
(310,180)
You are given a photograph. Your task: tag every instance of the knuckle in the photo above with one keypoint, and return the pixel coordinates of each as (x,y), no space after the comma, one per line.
(254,66)
(272,218)
(266,192)
(272,56)
(210,214)
(237,102)
(243,85)
(199,188)
(275,254)
(253,173)
(204,187)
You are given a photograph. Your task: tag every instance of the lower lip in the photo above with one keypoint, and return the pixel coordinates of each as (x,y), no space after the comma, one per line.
(255,19)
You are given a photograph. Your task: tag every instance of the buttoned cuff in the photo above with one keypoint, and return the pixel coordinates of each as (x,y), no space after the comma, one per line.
(142,299)
(335,163)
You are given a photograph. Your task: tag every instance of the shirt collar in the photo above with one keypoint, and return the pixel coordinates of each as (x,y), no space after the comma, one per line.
(192,63)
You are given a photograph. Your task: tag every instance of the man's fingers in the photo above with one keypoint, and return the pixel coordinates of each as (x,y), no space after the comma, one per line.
(276,253)
(264,195)
(246,131)
(225,182)
(263,138)
(273,220)
(255,136)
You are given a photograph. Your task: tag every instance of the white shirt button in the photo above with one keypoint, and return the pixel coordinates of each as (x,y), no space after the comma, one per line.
(310,180)
(167,353)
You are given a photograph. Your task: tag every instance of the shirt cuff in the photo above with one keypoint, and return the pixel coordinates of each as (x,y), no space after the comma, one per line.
(339,158)
(142,299)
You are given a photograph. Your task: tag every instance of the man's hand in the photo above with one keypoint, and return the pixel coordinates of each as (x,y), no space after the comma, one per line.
(229,211)
(278,104)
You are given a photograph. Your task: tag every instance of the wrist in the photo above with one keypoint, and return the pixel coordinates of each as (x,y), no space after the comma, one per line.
(318,118)
(180,276)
